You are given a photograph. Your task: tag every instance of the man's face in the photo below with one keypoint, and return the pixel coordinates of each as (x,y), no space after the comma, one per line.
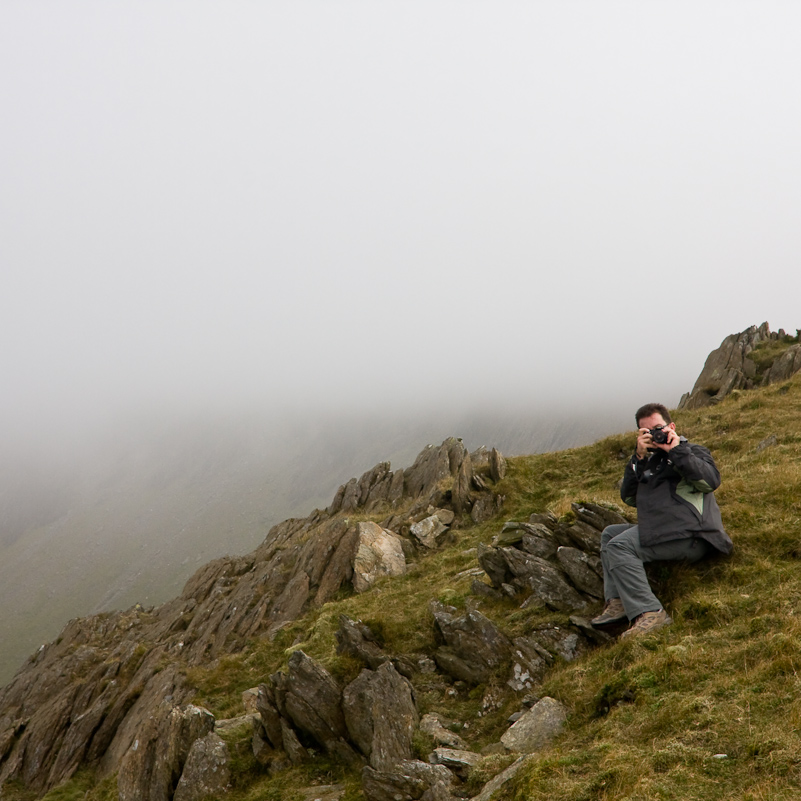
(655,420)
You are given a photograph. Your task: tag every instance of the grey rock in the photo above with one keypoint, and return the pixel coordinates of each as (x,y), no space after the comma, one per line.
(483,589)
(535,730)
(322,792)
(462,497)
(432,726)
(585,537)
(491,788)
(497,465)
(458,760)
(597,516)
(356,639)
(486,506)
(583,570)
(381,716)
(548,583)
(546,519)
(538,546)
(378,554)
(768,442)
(787,365)
(308,696)
(408,780)
(206,772)
(428,531)
(474,646)
(493,564)
(589,631)
(237,726)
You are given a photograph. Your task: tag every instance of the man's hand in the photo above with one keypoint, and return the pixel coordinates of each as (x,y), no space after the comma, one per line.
(645,442)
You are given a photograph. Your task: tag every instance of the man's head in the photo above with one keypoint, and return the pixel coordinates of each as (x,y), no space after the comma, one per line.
(649,411)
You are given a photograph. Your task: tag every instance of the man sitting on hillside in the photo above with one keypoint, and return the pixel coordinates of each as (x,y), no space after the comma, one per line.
(671,482)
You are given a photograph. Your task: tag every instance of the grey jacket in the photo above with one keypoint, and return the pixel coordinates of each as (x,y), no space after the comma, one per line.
(674,496)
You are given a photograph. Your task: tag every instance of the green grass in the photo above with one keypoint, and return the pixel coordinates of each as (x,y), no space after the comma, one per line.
(648,718)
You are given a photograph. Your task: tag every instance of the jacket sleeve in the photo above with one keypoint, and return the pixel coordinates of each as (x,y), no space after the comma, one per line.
(696,466)
(628,489)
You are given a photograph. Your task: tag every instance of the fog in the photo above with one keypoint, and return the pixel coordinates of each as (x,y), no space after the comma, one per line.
(312,206)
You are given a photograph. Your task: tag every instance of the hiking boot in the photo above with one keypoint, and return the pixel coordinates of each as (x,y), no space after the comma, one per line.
(647,622)
(613,613)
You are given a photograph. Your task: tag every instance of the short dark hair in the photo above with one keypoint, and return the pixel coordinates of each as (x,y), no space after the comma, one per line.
(652,408)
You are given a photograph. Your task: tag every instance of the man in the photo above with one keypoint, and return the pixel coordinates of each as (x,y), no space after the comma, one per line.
(671,482)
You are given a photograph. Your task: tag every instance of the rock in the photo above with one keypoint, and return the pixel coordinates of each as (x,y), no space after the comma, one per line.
(497,465)
(432,726)
(485,507)
(378,554)
(490,789)
(409,780)
(428,531)
(727,368)
(547,582)
(597,516)
(589,631)
(155,761)
(308,696)
(787,365)
(459,761)
(493,564)
(381,716)
(535,730)
(768,442)
(206,772)
(340,567)
(356,639)
(480,588)
(538,546)
(585,537)
(583,570)
(237,726)
(250,700)
(461,496)
(529,664)
(546,519)
(432,466)
(474,647)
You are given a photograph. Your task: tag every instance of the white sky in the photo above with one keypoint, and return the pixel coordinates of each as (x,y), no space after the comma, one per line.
(325,204)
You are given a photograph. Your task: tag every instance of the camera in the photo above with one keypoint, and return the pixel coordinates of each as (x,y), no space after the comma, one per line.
(660,435)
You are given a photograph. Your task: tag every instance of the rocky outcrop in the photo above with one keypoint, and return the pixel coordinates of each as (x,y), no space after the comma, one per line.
(732,367)
(536,728)
(378,554)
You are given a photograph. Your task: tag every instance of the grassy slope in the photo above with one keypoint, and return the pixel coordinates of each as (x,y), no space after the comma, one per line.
(647,718)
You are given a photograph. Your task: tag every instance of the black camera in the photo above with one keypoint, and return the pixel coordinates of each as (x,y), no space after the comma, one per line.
(660,435)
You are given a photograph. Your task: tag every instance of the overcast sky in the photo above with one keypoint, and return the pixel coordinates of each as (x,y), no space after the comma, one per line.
(352,204)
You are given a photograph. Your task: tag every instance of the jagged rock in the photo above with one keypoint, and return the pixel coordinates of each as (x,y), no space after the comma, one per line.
(727,368)
(237,726)
(538,546)
(597,516)
(584,537)
(768,442)
(493,564)
(787,365)
(356,639)
(380,715)
(504,777)
(270,717)
(408,780)
(458,760)
(478,587)
(461,495)
(378,554)
(340,567)
(432,466)
(428,531)
(555,641)
(497,465)
(584,571)
(545,519)
(589,631)
(529,663)
(547,582)
(536,728)
(485,507)
(154,764)
(432,726)
(206,772)
(308,696)
(295,751)
(474,647)
(250,700)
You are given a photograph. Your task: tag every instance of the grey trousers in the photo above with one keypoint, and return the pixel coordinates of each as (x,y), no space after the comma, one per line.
(623,559)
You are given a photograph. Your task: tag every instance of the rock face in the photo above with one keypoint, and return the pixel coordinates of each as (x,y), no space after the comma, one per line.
(731,367)
(536,728)
(206,772)
(378,554)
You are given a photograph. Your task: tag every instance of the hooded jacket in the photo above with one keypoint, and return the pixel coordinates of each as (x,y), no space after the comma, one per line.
(674,495)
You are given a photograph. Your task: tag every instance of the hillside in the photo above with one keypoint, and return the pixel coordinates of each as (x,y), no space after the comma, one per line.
(127,515)
(704,709)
